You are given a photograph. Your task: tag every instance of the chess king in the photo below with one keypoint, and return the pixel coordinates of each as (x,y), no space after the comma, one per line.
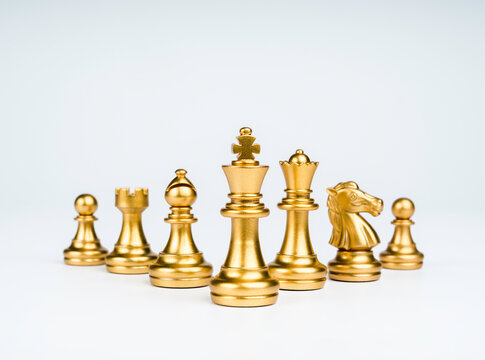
(296,265)
(351,234)
(180,264)
(244,279)
(131,254)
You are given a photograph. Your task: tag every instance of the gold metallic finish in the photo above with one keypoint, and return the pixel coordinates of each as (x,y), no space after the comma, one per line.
(180,264)
(131,254)
(352,234)
(244,279)
(401,253)
(85,248)
(296,266)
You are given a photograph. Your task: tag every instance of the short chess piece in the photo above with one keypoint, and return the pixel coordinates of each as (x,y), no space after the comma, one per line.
(180,264)
(131,254)
(244,279)
(352,234)
(85,248)
(401,253)
(296,266)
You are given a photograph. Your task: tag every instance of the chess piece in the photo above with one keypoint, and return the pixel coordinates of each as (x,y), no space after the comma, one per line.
(351,234)
(180,264)
(85,248)
(296,266)
(244,279)
(131,254)
(401,253)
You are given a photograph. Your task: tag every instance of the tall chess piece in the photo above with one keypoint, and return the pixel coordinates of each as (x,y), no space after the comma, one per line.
(244,279)
(85,248)
(131,254)
(351,234)
(401,253)
(180,264)
(296,266)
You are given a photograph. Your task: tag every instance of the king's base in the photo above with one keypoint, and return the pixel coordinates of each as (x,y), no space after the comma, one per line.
(398,261)
(128,264)
(243,287)
(354,266)
(298,272)
(180,271)
(81,257)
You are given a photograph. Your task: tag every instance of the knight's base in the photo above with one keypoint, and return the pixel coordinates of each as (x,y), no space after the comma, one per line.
(180,271)
(129,263)
(399,261)
(354,266)
(242,287)
(298,272)
(82,257)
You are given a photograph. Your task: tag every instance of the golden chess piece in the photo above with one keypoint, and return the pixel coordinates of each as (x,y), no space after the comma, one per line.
(296,266)
(351,234)
(180,264)
(85,248)
(131,254)
(244,279)
(401,253)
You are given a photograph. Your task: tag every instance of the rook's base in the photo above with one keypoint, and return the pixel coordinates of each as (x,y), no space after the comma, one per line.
(298,272)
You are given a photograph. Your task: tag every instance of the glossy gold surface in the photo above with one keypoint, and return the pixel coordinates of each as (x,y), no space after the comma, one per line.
(296,266)
(131,254)
(244,279)
(401,253)
(85,248)
(352,234)
(180,264)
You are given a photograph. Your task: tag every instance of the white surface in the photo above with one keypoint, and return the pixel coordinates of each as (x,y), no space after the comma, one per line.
(97,95)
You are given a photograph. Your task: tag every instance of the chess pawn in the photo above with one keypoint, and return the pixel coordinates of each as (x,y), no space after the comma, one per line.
(244,279)
(85,248)
(352,234)
(296,266)
(401,253)
(180,264)
(131,254)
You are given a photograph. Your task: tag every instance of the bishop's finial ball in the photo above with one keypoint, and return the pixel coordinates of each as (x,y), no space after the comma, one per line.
(245,131)
(403,208)
(299,157)
(86,204)
(179,193)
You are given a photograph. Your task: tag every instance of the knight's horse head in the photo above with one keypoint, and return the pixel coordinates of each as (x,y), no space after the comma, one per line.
(347,197)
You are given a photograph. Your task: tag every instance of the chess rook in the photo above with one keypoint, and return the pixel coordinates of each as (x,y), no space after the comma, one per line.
(85,248)
(131,254)
(180,264)
(401,253)
(351,234)
(244,279)
(296,266)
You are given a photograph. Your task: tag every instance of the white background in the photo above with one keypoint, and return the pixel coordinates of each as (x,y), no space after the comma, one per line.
(101,94)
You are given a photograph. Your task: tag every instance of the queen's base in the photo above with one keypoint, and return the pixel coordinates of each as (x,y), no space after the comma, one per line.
(298,272)
(354,266)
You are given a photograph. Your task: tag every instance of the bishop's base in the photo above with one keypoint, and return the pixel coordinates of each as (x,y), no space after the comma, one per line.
(244,287)
(129,263)
(180,271)
(399,261)
(298,272)
(85,257)
(354,266)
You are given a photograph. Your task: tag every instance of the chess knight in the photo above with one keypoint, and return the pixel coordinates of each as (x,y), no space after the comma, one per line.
(244,279)
(296,265)
(352,235)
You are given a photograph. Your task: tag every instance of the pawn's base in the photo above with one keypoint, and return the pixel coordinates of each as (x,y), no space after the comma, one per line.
(180,271)
(298,272)
(243,287)
(354,266)
(397,260)
(82,257)
(135,262)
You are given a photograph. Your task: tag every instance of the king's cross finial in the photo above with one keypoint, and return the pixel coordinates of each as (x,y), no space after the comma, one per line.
(245,149)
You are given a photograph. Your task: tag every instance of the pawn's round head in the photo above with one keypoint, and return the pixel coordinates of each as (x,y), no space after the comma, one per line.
(403,208)
(180,192)
(86,204)
(299,157)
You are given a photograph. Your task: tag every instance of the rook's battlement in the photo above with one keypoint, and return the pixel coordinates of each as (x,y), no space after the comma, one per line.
(139,198)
